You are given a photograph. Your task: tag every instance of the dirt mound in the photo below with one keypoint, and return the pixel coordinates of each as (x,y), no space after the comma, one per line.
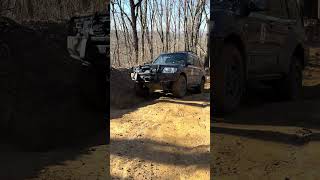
(50,95)
(122,93)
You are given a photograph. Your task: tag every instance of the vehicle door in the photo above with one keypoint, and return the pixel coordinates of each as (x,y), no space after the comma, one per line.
(190,70)
(198,70)
(295,33)
(267,31)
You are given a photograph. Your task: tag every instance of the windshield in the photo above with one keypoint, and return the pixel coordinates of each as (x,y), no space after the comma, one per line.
(225,4)
(171,59)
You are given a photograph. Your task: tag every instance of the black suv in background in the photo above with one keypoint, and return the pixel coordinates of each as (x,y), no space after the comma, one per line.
(256,40)
(172,72)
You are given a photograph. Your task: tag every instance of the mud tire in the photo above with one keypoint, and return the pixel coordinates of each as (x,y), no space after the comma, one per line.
(200,88)
(179,88)
(140,90)
(290,87)
(229,80)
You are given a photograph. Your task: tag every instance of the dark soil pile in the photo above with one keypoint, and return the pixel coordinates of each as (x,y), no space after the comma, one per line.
(122,94)
(51,96)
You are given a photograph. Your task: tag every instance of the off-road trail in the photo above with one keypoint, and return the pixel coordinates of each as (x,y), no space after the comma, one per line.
(87,161)
(270,139)
(165,138)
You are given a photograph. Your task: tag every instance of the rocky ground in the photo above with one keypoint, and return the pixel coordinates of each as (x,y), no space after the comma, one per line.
(162,138)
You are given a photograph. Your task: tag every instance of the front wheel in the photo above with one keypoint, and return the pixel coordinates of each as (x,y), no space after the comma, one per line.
(180,87)
(140,90)
(228,82)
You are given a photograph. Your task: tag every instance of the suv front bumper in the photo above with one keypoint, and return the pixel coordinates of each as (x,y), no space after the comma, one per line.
(156,81)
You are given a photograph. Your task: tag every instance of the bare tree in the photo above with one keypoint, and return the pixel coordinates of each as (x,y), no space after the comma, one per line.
(160,26)
(55,10)
(116,56)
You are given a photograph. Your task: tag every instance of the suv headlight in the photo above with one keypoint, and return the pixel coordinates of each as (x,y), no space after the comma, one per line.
(169,70)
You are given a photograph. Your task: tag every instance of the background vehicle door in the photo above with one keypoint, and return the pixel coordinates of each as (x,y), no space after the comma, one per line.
(267,32)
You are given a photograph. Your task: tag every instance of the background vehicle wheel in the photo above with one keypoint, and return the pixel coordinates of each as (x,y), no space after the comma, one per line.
(290,87)
(179,88)
(141,90)
(200,88)
(228,82)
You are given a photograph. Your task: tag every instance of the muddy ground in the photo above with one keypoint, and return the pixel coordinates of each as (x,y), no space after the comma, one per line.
(162,138)
(270,139)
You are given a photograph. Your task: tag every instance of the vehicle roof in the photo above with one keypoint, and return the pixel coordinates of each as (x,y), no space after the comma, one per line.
(181,52)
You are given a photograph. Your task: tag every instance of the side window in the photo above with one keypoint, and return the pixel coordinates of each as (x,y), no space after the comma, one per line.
(275,8)
(190,60)
(293,11)
(198,62)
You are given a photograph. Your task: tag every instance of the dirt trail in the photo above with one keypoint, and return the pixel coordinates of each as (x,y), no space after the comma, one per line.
(165,138)
(86,160)
(270,139)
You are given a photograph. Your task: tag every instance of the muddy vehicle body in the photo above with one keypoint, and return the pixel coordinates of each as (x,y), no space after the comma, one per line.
(89,42)
(89,37)
(256,40)
(170,72)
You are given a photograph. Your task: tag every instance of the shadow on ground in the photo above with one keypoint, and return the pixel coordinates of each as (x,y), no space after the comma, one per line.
(161,152)
(17,164)
(263,107)
(292,139)
(46,88)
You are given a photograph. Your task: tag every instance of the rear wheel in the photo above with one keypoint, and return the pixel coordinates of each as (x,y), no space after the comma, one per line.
(200,88)
(179,88)
(291,86)
(228,83)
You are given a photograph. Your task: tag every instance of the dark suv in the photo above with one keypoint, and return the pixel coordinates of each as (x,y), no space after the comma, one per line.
(173,72)
(256,40)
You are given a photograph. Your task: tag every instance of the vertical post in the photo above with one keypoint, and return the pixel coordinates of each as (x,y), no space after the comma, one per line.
(318,4)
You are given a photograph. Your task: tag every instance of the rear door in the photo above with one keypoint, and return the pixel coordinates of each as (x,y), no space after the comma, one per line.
(190,69)
(267,33)
(198,70)
(295,33)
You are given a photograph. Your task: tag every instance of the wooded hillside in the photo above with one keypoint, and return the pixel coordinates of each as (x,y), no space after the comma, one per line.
(49,10)
(142,29)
